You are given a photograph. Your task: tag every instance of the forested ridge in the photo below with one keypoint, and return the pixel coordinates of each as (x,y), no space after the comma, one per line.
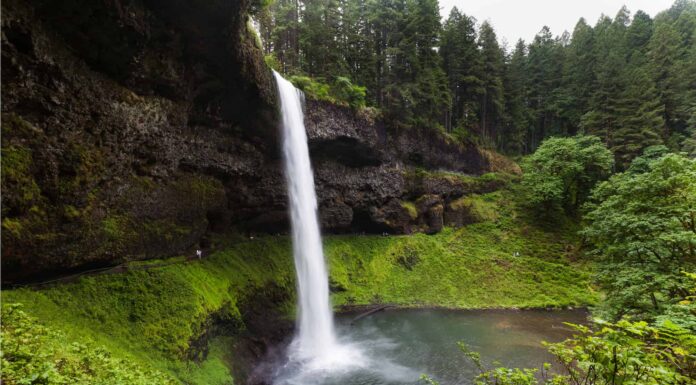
(630,79)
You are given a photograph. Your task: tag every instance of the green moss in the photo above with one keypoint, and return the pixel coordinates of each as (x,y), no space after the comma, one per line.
(13,226)
(71,212)
(150,317)
(207,191)
(17,177)
(478,206)
(411,208)
(114,226)
(15,161)
(477,266)
(14,125)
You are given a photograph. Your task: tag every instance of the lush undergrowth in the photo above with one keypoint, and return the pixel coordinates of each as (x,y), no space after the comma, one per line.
(504,262)
(149,318)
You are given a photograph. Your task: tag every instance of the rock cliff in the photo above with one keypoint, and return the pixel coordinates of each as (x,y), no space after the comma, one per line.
(133,129)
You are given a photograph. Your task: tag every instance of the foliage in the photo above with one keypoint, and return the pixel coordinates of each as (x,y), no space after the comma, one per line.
(153,317)
(32,354)
(346,91)
(312,88)
(150,317)
(629,79)
(642,230)
(561,173)
(399,269)
(606,354)
(342,91)
(628,353)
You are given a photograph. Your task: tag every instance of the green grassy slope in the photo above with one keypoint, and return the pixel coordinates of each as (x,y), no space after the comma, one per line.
(150,317)
(472,267)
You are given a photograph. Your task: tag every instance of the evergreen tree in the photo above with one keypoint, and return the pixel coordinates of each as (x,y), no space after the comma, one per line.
(462,64)
(640,119)
(602,80)
(664,54)
(638,36)
(579,71)
(492,102)
(319,41)
(417,92)
(517,115)
(280,31)
(609,55)
(544,76)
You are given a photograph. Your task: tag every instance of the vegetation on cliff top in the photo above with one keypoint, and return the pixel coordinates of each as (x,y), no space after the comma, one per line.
(628,79)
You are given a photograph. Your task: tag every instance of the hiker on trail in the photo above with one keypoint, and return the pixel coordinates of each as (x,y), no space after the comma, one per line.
(199,254)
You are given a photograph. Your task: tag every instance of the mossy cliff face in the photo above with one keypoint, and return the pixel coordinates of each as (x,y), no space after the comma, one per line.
(126,127)
(371,178)
(138,129)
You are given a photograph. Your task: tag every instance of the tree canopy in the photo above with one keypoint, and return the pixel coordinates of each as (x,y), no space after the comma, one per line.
(629,80)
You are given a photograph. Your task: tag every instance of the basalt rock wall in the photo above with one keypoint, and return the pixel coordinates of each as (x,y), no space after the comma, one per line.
(136,129)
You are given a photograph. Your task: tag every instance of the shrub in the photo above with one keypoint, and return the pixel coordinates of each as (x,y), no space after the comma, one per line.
(342,91)
(642,231)
(563,171)
(345,90)
(608,354)
(31,354)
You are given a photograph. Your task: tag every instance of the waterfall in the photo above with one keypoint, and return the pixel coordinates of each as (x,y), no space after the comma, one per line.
(315,336)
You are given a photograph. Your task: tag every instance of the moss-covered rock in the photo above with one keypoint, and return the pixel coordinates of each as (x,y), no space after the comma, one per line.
(123,131)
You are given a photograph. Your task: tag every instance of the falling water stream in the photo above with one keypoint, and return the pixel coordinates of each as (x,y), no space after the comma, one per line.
(316,336)
(315,347)
(392,348)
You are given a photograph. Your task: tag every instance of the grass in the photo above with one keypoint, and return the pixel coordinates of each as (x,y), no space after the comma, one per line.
(150,317)
(503,262)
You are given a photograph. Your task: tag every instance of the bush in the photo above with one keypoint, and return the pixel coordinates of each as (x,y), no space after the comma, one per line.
(563,171)
(609,354)
(642,231)
(342,91)
(352,94)
(32,355)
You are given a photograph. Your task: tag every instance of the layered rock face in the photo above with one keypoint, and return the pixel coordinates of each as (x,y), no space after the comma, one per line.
(124,123)
(135,129)
(371,178)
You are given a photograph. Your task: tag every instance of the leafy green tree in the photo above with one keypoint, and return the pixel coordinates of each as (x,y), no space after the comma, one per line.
(562,172)
(627,353)
(641,228)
